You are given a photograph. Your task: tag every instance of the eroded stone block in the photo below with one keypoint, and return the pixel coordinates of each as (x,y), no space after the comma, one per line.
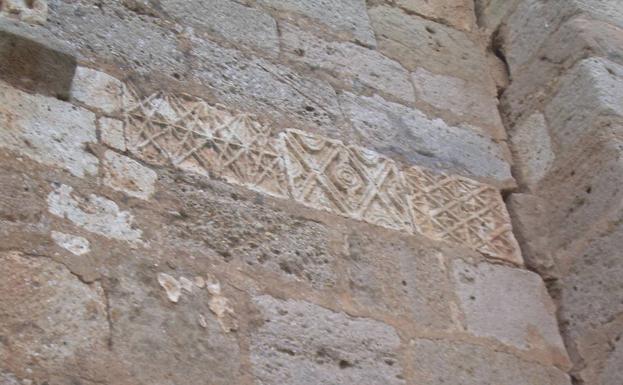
(97,89)
(511,305)
(347,63)
(124,174)
(302,343)
(446,362)
(93,213)
(47,130)
(533,151)
(346,17)
(36,63)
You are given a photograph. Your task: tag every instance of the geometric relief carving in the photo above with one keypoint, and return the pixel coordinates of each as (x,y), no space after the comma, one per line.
(348,180)
(193,135)
(461,210)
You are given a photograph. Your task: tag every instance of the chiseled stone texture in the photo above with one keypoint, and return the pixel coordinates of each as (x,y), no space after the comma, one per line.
(302,343)
(592,89)
(228,19)
(458,13)
(52,71)
(469,101)
(97,89)
(445,362)
(511,305)
(345,17)
(397,275)
(129,176)
(93,213)
(47,130)
(352,64)
(532,147)
(406,134)
(417,42)
(49,318)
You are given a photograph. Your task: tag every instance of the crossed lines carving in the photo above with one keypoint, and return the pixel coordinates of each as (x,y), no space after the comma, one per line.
(318,172)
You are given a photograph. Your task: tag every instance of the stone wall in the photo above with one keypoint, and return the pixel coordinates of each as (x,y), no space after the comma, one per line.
(564,110)
(286,192)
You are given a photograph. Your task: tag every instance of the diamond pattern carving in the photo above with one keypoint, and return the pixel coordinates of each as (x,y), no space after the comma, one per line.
(461,210)
(318,172)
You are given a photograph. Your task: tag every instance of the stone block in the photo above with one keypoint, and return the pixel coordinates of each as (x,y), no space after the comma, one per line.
(47,130)
(532,147)
(417,42)
(591,90)
(29,11)
(36,63)
(301,343)
(93,213)
(343,17)
(408,135)
(458,13)
(129,176)
(97,90)
(112,133)
(398,276)
(510,305)
(354,66)
(48,313)
(468,101)
(446,362)
(229,20)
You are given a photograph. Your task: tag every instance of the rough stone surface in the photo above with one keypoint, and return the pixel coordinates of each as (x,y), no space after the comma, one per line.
(111,133)
(445,362)
(35,63)
(93,213)
(346,17)
(127,175)
(458,13)
(492,13)
(612,374)
(47,130)
(298,341)
(466,100)
(366,67)
(407,134)
(532,147)
(508,304)
(229,20)
(417,42)
(97,90)
(75,244)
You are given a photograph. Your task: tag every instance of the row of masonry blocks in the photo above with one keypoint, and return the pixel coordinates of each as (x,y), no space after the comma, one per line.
(316,171)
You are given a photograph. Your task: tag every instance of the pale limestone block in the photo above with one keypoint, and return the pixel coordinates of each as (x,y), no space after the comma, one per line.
(129,176)
(112,133)
(47,130)
(75,244)
(93,213)
(97,90)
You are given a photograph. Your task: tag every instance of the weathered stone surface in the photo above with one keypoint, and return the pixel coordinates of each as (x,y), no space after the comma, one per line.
(97,90)
(127,175)
(47,130)
(93,213)
(35,63)
(531,145)
(593,89)
(112,133)
(612,374)
(50,318)
(228,19)
(511,305)
(458,13)
(408,135)
(399,276)
(302,343)
(74,244)
(492,13)
(30,11)
(446,362)
(346,17)
(417,42)
(347,63)
(469,101)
